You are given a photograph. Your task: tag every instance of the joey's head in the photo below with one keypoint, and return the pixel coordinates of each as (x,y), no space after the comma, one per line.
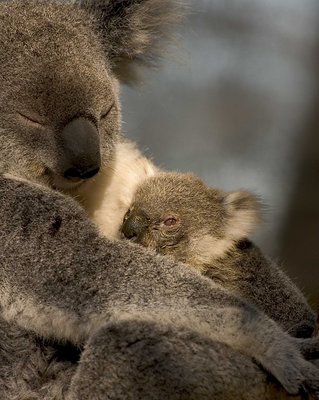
(178,215)
(60,68)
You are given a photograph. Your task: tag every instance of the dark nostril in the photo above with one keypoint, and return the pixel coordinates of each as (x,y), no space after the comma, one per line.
(129,234)
(128,229)
(72,173)
(75,173)
(90,173)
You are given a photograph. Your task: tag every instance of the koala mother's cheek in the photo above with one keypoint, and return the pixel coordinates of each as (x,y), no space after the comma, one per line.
(38,169)
(109,137)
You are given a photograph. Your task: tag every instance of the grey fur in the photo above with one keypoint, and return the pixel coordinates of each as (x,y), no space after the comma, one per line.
(205,213)
(70,282)
(167,352)
(53,70)
(60,280)
(31,368)
(133,30)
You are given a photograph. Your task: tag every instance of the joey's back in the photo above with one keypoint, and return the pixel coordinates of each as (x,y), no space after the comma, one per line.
(247,273)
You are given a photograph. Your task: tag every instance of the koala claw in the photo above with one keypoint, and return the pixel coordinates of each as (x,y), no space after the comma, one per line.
(302,380)
(292,371)
(309,348)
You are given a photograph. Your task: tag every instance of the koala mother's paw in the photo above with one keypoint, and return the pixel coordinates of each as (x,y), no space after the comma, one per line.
(292,371)
(301,377)
(311,383)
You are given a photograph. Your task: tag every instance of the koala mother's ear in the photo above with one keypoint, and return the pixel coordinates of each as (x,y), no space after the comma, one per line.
(132,30)
(243,210)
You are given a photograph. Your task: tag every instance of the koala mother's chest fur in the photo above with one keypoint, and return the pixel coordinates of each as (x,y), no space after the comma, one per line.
(108,196)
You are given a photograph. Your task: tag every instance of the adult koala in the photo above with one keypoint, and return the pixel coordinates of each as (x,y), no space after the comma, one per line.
(149,326)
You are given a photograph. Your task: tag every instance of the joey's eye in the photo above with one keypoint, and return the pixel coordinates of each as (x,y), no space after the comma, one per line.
(170,221)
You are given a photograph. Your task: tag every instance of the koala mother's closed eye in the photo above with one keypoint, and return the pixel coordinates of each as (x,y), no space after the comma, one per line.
(32,118)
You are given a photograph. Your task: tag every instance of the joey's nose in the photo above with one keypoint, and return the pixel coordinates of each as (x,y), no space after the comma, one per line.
(135,225)
(80,153)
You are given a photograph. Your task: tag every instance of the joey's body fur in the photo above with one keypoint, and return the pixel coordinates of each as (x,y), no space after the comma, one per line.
(143,320)
(210,233)
(246,272)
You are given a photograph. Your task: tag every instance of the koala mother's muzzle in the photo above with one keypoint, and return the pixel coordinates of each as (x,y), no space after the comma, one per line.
(81,149)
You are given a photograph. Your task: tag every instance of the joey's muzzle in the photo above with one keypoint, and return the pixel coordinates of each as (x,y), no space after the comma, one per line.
(81,149)
(134,225)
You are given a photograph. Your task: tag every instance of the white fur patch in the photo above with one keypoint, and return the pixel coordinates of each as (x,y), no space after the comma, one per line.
(204,248)
(114,189)
(242,221)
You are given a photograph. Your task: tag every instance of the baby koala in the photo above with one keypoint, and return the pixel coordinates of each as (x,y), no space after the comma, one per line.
(177,215)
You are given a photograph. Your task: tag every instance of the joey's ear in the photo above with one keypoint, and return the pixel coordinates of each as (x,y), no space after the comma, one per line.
(243,213)
(132,30)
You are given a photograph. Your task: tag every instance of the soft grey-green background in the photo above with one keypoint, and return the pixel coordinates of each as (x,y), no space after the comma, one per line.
(237,103)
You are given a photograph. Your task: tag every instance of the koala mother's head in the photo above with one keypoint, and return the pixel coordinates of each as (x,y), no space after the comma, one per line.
(60,65)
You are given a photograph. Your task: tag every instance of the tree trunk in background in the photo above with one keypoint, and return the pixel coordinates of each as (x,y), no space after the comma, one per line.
(300,230)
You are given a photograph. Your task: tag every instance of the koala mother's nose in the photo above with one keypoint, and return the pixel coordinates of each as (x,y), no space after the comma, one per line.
(81,149)
(135,225)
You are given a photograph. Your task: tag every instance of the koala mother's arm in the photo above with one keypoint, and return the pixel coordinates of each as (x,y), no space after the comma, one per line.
(60,278)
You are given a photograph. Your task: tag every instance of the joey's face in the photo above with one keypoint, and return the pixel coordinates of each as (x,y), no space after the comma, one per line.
(59,108)
(171,212)
(178,215)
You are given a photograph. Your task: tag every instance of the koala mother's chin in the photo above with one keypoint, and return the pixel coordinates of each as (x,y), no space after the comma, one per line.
(62,184)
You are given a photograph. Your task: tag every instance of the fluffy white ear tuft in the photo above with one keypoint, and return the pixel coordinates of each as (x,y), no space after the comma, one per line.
(244,214)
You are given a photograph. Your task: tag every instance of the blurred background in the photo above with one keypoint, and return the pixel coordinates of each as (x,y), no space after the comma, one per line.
(237,103)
